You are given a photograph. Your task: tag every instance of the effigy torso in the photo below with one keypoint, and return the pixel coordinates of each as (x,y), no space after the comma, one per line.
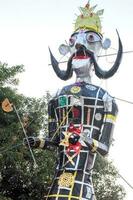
(81,104)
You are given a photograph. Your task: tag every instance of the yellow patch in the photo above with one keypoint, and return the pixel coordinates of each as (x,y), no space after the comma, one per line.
(75,89)
(66,180)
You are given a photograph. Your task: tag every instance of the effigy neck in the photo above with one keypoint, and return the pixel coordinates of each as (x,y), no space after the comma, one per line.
(84,79)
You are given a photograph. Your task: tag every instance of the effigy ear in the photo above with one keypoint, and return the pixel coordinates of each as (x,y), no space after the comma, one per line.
(106,43)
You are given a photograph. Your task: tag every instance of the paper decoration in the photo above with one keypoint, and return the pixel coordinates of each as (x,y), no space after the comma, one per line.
(62,101)
(89,19)
(7,106)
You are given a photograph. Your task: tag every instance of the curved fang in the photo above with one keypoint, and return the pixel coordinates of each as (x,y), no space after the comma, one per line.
(107,74)
(64,75)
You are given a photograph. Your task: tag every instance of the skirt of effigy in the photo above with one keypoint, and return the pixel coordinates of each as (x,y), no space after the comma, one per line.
(71,185)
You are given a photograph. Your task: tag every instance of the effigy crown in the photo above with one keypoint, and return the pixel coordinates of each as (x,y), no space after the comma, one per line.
(88,19)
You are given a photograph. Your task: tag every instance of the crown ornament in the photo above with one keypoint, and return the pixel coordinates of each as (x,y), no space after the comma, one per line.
(88,19)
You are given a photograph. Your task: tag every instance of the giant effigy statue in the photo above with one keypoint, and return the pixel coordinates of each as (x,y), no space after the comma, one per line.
(81,115)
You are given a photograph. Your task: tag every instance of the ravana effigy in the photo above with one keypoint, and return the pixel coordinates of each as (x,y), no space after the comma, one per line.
(81,115)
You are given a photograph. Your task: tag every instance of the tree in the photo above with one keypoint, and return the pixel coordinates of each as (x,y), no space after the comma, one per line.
(19,178)
(105,177)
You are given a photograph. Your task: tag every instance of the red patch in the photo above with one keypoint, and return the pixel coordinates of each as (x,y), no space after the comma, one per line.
(81,57)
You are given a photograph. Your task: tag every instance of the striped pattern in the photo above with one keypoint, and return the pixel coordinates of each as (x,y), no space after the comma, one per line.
(96,111)
(81,188)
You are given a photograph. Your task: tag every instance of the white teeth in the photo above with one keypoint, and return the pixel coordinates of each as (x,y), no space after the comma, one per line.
(84,53)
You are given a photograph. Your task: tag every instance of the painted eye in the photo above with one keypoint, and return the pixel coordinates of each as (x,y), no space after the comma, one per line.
(93,37)
(72,40)
(90,38)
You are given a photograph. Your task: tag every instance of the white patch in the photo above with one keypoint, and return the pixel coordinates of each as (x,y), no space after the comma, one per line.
(89,192)
(107,102)
(98,116)
(87,132)
(75,101)
(85,135)
(77,63)
(91,87)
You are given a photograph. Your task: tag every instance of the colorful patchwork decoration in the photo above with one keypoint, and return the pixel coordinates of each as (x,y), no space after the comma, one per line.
(65,142)
(66,180)
(88,19)
(75,89)
(7,106)
(75,112)
(75,101)
(62,101)
(75,147)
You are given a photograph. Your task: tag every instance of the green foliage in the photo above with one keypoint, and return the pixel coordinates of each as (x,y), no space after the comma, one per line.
(4,198)
(7,74)
(18,178)
(105,177)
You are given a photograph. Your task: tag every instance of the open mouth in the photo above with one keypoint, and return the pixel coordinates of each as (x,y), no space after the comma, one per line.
(81,57)
(80,61)
(81,53)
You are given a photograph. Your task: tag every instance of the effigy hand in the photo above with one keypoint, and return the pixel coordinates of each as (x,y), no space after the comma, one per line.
(74,138)
(95,145)
(31,141)
(91,143)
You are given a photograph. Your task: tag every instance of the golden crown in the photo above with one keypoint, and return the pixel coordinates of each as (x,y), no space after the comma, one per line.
(88,19)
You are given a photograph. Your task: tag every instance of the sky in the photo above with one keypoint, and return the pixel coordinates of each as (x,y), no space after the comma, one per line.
(29,27)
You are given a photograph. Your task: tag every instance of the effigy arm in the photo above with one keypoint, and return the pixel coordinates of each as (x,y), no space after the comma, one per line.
(94,145)
(39,142)
(107,128)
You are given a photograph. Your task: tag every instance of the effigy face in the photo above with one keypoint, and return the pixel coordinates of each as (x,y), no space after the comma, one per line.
(88,39)
(80,42)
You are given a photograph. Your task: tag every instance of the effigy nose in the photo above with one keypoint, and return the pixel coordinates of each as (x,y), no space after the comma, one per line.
(78,46)
(80,40)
